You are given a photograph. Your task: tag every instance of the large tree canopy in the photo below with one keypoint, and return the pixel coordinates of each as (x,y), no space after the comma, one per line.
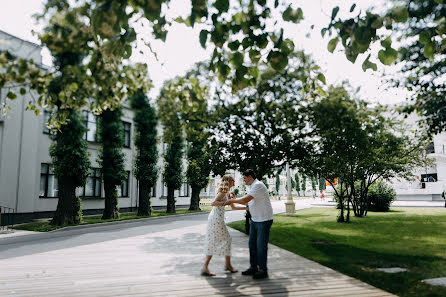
(409,31)
(267,125)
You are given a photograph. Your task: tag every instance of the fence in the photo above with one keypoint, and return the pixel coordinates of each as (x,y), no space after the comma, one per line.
(6,219)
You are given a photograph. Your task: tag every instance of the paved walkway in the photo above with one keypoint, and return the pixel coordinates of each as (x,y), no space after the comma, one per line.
(156,258)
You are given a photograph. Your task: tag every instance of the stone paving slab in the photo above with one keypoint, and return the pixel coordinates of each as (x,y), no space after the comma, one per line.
(160,261)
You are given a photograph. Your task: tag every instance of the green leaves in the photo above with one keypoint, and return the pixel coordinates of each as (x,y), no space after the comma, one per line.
(222,5)
(399,14)
(237,59)
(335,11)
(368,65)
(332,44)
(429,50)
(203,38)
(321,77)
(254,55)
(389,55)
(425,37)
(353,7)
(11,95)
(293,15)
(277,59)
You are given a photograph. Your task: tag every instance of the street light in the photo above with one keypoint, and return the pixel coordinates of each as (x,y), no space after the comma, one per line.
(290,206)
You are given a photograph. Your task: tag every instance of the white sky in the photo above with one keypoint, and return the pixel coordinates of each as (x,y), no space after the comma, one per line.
(182,48)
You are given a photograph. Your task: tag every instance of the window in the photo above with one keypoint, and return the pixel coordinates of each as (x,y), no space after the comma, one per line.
(90,122)
(127,134)
(123,189)
(93,185)
(430,149)
(154,191)
(48,181)
(164,190)
(46,118)
(184,190)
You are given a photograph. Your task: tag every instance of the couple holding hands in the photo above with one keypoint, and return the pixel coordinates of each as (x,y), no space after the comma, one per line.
(218,240)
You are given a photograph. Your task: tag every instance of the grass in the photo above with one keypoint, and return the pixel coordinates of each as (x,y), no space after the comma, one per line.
(45,226)
(412,238)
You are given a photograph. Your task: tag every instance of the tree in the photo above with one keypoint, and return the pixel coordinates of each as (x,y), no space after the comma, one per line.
(358,145)
(419,27)
(313,184)
(278,183)
(145,168)
(69,150)
(173,167)
(169,114)
(95,63)
(296,177)
(71,167)
(266,127)
(193,94)
(111,159)
(304,183)
(321,184)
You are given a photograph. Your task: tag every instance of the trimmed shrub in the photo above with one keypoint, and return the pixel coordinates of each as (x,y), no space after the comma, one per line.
(381,196)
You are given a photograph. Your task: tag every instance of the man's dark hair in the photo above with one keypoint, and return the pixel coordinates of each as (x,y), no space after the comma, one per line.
(249,172)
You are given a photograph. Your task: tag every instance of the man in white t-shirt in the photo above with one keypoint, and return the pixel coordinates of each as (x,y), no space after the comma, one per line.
(261,220)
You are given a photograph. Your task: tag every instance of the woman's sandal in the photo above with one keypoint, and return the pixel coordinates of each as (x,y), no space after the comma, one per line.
(231,270)
(205,273)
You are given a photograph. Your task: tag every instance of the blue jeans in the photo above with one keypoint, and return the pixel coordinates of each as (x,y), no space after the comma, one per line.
(258,244)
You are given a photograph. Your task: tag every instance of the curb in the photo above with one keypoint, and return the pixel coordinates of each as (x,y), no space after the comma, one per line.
(85,226)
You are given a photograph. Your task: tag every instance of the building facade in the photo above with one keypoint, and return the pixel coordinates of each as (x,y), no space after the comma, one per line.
(27,181)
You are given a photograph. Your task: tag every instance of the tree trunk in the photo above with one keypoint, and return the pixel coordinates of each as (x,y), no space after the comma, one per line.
(348,210)
(170,200)
(111,210)
(144,208)
(69,206)
(195,199)
(341,215)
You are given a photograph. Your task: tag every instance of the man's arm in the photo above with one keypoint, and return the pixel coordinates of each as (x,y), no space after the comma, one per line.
(242,200)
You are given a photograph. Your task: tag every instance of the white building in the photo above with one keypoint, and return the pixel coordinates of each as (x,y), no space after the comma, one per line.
(27,183)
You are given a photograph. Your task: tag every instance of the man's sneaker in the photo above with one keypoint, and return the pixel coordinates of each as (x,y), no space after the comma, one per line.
(260,274)
(250,271)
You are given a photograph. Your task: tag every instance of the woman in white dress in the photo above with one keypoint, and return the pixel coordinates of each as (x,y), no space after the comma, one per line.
(218,240)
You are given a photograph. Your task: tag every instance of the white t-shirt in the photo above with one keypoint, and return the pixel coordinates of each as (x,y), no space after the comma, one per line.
(260,207)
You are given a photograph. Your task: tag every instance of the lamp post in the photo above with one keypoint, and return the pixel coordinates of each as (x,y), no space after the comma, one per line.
(290,206)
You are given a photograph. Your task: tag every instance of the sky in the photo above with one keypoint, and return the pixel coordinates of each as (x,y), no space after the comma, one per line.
(182,48)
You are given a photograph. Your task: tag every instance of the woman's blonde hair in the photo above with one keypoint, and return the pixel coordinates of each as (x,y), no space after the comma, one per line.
(223,187)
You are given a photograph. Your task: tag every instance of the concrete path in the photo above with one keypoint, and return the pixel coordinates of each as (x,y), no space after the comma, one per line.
(156,258)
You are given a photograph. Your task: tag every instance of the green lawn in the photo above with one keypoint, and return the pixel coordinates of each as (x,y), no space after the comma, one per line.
(412,238)
(45,226)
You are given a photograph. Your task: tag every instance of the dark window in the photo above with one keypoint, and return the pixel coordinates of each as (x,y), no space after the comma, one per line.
(123,190)
(184,190)
(93,185)
(429,177)
(154,191)
(90,122)
(48,181)
(46,118)
(430,148)
(127,133)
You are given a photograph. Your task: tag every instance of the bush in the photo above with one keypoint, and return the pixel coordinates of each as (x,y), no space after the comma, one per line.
(381,196)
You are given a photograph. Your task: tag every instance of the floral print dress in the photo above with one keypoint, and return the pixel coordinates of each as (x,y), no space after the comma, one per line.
(218,240)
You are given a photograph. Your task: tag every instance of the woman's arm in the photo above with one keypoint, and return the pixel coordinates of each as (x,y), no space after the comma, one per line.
(218,198)
(239,207)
